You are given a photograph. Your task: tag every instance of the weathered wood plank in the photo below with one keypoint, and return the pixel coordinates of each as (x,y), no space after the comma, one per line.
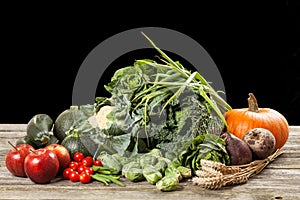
(280,180)
(12,127)
(90,193)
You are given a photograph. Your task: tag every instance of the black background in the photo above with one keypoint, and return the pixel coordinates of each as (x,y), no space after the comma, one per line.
(254,45)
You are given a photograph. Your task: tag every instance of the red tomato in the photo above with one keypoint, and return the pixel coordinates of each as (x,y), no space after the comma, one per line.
(81,169)
(73,165)
(97,163)
(66,173)
(78,157)
(88,161)
(88,170)
(74,176)
(84,177)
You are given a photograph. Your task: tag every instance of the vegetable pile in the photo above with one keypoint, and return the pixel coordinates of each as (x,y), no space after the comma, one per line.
(162,124)
(158,105)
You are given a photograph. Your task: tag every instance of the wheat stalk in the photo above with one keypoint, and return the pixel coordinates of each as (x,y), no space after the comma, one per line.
(209,182)
(215,175)
(218,166)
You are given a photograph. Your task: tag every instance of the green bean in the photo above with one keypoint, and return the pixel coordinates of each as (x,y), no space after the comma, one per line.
(100,179)
(103,177)
(116,181)
(106,179)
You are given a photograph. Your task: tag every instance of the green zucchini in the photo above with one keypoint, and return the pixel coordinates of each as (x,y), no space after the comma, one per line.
(65,121)
(73,143)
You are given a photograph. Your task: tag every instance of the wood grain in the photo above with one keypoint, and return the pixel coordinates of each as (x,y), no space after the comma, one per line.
(280,180)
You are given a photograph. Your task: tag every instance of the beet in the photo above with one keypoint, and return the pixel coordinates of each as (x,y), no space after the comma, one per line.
(239,151)
(261,141)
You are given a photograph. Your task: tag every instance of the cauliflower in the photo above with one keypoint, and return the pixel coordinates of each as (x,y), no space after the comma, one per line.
(102,120)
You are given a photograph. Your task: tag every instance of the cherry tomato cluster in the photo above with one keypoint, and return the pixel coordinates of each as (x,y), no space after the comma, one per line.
(80,168)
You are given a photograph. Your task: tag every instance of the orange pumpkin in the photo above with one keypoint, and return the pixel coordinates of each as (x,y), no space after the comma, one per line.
(241,120)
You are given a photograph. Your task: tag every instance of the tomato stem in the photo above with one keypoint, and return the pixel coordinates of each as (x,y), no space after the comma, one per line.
(252,103)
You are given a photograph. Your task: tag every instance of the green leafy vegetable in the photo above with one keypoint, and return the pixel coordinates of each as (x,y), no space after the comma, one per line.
(185,171)
(153,105)
(167,184)
(110,161)
(133,172)
(207,147)
(152,174)
(158,105)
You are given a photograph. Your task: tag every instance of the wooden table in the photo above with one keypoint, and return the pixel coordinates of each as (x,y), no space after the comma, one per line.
(280,180)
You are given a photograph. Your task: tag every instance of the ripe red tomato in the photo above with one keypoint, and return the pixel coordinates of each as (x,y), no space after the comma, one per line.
(98,163)
(66,173)
(73,165)
(88,170)
(78,156)
(74,176)
(84,177)
(88,161)
(80,169)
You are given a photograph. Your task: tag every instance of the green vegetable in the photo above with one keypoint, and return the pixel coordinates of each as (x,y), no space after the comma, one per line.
(26,140)
(173,172)
(162,164)
(158,105)
(132,164)
(133,173)
(185,171)
(167,184)
(208,147)
(107,179)
(105,170)
(52,140)
(106,175)
(148,159)
(38,129)
(70,118)
(74,144)
(152,174)
(174,163)
(110,161)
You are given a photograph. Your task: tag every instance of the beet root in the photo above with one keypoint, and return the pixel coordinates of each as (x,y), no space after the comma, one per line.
(261,141)
(238,150)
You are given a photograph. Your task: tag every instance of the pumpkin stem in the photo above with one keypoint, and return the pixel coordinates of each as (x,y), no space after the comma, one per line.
(252,103)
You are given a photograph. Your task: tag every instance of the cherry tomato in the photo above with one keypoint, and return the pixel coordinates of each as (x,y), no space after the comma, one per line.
(81,169)
(88,161)
(88,170)
(78,156)
(74,176)
(97,163)
(66,173)
(84,177)
(73,165)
